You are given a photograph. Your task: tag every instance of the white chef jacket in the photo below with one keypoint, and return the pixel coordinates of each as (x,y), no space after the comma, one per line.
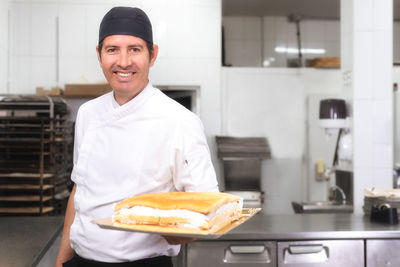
(150,144)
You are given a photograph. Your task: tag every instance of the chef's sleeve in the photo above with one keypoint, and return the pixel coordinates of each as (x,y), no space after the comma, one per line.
(79,130)
(193,170)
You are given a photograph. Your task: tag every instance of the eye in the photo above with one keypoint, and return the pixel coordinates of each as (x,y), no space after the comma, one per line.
(111,50)
(135,49)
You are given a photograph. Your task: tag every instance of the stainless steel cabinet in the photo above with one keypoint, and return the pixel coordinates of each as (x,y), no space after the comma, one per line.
(324,253)
(316,253)
(382,253)
(235,254)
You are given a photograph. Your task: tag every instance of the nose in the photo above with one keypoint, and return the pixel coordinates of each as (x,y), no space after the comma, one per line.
(124,60)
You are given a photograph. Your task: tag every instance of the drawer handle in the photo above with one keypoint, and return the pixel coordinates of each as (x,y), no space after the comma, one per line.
(247,249)
(249,254)
(305,249)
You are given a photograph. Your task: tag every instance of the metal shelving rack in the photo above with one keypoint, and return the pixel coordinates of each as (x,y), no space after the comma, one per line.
(35,154)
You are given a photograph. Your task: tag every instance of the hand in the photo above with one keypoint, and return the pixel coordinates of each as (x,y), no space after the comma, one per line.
(178,240)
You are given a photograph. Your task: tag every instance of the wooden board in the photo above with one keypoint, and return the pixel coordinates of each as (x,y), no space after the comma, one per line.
(246,214)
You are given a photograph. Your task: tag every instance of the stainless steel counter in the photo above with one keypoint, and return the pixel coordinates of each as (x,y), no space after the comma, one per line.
(299,240)
(311,226)
(24,240)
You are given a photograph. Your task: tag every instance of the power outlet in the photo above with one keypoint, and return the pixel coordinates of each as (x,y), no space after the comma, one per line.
(347,76)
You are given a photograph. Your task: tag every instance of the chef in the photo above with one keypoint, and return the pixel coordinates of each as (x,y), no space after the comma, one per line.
(131,141)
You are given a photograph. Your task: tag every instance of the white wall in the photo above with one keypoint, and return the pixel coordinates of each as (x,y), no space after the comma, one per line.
(396,117)
(367,57)
(266,102)
(5,6)
(396,41)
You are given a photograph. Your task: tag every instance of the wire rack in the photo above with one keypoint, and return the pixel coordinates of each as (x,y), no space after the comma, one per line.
(36,140)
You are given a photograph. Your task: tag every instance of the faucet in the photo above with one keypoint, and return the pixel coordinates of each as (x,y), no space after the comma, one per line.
(335,187)
(328,172)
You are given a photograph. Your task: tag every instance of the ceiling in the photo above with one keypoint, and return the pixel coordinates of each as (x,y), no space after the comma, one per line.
(309,9)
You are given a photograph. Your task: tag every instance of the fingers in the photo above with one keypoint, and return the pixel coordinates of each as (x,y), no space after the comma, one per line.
(177,240)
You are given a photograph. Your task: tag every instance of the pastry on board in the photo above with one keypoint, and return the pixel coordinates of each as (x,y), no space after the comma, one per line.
(175,212)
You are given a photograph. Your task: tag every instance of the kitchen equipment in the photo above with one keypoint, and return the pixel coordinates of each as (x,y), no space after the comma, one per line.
(344,180)
(334,196)
(332,113)
(342,201)
(234,253)
(333,117)
(35,154)
(384,214)
(329,253)
(321,207)
(339,239)
(241,158)
(370,202)
(251,199)
(378,197)
(382,252)
(299,253)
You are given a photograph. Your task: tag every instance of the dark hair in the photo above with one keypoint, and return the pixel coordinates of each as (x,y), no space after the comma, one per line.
(148,44)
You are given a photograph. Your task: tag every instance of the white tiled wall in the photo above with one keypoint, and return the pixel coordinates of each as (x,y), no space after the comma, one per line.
(244,42)
(369,26)
(396,118)
(251,40)
(268,105)
(34,22)
(4,45)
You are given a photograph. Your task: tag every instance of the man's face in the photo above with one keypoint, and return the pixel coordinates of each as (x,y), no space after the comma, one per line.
(125,61)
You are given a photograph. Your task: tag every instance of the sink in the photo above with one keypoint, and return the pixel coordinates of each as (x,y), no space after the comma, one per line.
(321,207)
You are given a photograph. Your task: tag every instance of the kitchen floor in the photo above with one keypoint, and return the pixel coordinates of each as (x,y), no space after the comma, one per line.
(49,258)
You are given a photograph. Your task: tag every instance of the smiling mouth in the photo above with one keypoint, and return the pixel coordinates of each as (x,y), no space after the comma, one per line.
(124,74)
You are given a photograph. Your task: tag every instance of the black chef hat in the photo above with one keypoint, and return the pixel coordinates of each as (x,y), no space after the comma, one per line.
(126,21)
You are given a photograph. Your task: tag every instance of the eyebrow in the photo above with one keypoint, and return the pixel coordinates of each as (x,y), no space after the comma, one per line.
(131,45)
(136,45)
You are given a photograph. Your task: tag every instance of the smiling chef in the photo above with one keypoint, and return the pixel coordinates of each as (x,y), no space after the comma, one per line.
(131,141)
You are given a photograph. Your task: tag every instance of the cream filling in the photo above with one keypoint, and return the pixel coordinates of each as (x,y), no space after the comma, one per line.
(195,219)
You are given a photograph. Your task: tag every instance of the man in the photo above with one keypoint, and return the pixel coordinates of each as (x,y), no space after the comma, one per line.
(131,141)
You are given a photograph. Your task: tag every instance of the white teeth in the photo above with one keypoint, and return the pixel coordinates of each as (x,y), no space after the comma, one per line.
(124,74)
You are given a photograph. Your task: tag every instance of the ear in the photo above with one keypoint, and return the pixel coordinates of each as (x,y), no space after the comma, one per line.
(154,54)
(98,54)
